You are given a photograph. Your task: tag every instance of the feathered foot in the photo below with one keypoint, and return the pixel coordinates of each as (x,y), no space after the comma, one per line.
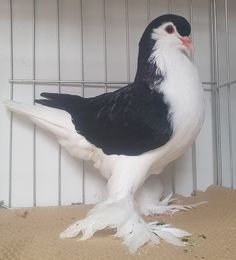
(122,216)
(165,207)
(149,201)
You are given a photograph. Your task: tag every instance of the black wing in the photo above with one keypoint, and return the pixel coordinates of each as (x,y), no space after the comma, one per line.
(129,121)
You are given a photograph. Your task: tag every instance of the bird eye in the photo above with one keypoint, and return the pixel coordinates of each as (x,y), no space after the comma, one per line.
(169,29)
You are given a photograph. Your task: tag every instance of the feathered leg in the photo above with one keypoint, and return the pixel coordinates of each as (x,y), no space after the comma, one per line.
(119,211)
(149,202)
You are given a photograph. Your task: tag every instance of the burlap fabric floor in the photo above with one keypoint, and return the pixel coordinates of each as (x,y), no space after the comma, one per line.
(33,233)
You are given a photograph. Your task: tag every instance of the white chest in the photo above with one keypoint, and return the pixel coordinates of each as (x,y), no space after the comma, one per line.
(184,93)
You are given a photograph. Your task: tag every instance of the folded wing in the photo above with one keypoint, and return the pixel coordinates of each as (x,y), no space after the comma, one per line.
(129,121)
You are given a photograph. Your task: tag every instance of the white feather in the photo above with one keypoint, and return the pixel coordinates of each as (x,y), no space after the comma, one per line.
(45,115)
(169,237)
(177,232)
(59,123)
(121,215)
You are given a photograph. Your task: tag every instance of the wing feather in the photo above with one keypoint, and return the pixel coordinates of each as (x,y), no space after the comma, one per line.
(129,121)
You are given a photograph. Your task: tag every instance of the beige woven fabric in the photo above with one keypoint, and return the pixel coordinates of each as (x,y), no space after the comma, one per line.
(33,233)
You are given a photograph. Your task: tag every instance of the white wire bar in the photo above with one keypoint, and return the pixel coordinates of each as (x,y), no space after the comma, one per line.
(216,95)
(127,39)
(59,90)
(227,84)
(112,84)
(230,139)
(194,152)
(82,85)
(11,116)
(34,95)
(105,43)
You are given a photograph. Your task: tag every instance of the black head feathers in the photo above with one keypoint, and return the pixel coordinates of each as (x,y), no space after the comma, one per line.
(182,25)
(146,71)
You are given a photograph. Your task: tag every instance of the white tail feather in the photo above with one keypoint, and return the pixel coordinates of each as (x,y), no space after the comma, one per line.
(59,123)
(54,120)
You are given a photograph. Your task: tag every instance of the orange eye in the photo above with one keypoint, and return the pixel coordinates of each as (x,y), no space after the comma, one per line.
(169,29)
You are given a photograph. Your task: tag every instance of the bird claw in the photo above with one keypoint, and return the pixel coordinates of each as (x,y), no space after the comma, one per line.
(82,226)
(72,231)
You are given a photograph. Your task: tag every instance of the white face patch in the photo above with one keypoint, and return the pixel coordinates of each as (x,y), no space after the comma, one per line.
(162,32)
(167,39)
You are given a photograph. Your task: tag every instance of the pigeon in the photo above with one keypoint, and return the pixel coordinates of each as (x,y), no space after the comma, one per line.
(131,134)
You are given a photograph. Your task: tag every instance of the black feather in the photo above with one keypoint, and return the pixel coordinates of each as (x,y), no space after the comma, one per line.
(129,121)
(45,102)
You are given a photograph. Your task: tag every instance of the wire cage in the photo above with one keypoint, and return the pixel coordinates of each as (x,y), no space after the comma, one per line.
(88,47)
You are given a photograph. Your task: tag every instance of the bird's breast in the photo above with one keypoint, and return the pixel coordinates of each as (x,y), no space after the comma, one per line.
(183,92)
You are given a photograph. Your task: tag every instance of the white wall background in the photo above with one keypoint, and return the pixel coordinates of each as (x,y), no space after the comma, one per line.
(33,169)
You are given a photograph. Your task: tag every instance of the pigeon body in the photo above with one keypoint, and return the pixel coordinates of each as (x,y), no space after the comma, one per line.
(126,121)
(133,132)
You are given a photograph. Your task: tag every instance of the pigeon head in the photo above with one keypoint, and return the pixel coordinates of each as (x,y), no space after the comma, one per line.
(170,30)
(164,34)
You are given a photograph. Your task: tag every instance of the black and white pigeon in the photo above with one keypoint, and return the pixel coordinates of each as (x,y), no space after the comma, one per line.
(132,133)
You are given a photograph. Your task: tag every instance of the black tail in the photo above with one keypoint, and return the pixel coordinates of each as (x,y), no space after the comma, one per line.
(65,102)
(48,103)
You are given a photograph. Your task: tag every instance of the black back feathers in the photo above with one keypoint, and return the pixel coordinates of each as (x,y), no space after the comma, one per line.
(129,121)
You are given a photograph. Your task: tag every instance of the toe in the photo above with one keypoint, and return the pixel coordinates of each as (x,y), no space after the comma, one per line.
(71,231)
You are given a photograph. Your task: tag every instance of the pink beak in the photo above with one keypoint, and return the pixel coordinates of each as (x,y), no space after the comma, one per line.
(186,41)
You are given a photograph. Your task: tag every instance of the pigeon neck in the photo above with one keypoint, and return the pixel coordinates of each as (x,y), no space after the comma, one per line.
(147,71)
